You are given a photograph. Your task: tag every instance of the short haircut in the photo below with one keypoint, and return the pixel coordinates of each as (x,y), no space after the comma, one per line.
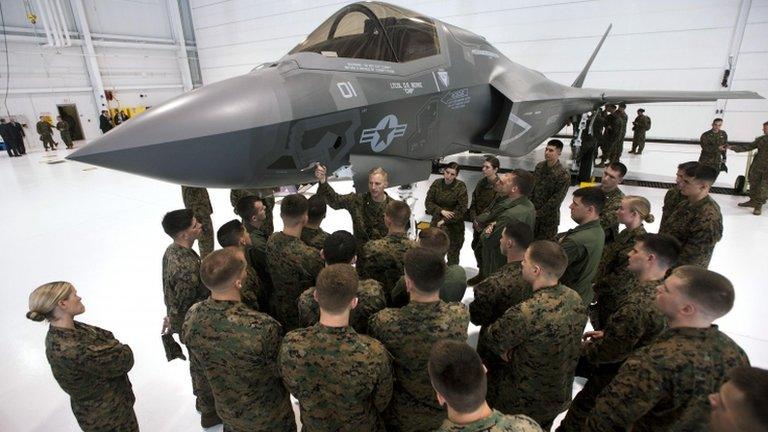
(524,181)
(622,105)
(640,110)
(493,160)
(765,124)
(316,208)
(548,255)
(425,268)
(556,143)
(753,383)
(457,373)
(398,212)
(618,166)
(705,174)
(336,287)
(293,207)
(718,119)
(246,206)
(711,291)
(339,248)
(230,233)
(435,239)
(520,232)
(665,247)
(379,170)
(221,267)
(454,166)
(177,221)
(591,196)
(688,167)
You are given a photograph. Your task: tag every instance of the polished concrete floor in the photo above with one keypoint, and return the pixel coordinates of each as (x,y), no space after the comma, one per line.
(100,229)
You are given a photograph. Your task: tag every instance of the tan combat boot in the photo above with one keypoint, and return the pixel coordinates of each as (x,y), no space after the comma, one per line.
(758,210)
(749,203)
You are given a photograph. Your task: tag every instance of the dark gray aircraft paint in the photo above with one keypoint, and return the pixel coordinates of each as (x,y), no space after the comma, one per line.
(374,85)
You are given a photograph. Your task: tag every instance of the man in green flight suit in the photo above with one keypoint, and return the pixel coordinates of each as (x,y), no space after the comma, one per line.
(584,244)
(516,186)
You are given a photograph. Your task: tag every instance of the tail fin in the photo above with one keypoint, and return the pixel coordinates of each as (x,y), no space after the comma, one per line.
(580,79)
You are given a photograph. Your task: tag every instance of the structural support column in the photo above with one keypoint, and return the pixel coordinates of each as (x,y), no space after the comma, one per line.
(737,37)
(178,35)
(94,74)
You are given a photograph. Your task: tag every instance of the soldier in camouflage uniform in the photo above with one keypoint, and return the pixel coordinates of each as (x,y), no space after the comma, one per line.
(458,377)
(382,259)
(343,380)
(181,289)
(551,181)
(233,234)
(612,177)
(696,222)
(640,126)
(63,128)
(506,287)
(713,142)
(238,349)
(292,264)
(341,248)
(455,284)
(45,131)
(408,334)
(664,385)
(612,272)
(611,130)
(617,147)
(482,198)
(267,197)
(446,202)
(673,197)
(196,199)
(758,172)
(366,209)
(89,364)
(312,234)
(584,244)
(740,403)
(635,323)
(253,213)
(516,186)
(539,341)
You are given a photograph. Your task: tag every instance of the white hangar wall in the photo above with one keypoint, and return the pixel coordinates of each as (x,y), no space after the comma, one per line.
(654,44)
(135,50)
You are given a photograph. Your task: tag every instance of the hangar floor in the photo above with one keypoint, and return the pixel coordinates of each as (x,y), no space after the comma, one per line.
(100,229)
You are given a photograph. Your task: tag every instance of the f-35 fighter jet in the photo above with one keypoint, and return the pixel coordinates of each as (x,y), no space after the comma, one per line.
(374,85)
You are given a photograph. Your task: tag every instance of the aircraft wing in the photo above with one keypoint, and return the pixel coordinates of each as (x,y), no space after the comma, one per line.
(649,96)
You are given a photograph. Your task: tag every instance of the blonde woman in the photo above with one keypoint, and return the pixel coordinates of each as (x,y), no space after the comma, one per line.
(88,362)
(614,280)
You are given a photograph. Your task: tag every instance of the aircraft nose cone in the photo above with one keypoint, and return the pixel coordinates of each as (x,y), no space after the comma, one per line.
(206,137)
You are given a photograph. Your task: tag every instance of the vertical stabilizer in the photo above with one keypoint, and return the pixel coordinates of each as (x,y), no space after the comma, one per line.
(580,79)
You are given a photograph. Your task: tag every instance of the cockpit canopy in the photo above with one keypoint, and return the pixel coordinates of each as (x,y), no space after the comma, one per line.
(373,31)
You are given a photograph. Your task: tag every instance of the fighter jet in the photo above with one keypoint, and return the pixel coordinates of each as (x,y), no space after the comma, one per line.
(373,85)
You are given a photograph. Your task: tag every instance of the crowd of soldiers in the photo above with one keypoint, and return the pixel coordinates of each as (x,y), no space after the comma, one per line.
(368,330)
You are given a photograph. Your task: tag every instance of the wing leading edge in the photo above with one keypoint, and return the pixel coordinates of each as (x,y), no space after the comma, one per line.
(604,96)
